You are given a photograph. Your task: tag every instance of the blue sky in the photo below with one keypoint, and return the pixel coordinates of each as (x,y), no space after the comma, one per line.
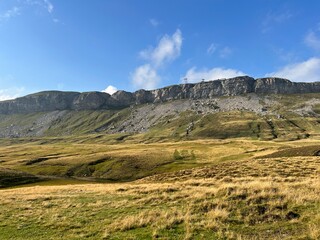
(75,45)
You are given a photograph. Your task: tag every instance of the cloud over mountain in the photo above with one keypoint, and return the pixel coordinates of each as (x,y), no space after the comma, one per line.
(168,49)
(306,71)
(110,90)
(193,75)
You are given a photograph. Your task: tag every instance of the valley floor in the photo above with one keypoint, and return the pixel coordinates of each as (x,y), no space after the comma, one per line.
(202,189)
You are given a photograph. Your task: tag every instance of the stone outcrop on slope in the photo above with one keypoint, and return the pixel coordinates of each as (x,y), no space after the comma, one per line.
(284,86)
(39,102)
(55,100)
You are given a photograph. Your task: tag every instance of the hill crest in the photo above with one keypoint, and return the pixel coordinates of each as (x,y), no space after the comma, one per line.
(56,100)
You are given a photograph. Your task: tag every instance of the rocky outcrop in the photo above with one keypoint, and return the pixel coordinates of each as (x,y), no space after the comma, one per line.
(39,102)
(55,100)
(90,101)
(284,86)
(122,98)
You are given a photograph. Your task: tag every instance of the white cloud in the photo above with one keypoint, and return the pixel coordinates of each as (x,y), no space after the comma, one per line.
(168,49)
(15,11)
(145,77)
(307,71)
(211,74)
(154,22)
(312,40)
(11,93)
(211,49)
(110,90)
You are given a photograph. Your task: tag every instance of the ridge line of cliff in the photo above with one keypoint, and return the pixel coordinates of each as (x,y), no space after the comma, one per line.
(56,100)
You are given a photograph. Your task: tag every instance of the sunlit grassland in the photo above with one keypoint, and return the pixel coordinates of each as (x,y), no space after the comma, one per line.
(129,160)
(206,203)
(203,189)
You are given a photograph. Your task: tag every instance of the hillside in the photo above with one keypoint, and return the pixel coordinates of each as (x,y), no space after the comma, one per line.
(194,161)
(275,116)
(58,140)
(268,108)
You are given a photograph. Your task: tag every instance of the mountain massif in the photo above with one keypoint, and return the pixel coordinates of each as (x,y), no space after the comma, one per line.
(265,108)
(55,100)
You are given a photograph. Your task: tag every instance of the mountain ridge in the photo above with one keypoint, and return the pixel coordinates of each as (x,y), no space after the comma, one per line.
(58,100)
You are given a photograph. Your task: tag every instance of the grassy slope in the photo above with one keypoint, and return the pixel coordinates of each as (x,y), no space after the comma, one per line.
(203,189)
(110,158)
(257,198)
(218,125)
(118,162)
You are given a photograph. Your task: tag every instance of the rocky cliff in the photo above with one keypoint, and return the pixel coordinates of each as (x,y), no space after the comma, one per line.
(55,100)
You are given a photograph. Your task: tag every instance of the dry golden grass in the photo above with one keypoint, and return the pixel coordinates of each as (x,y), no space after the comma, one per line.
(232,208)
(225,197)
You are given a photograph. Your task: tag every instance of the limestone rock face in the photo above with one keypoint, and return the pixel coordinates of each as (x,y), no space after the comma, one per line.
(284,86)
(42,101)
(142,96)
(55,100)
(168,93)
(90,101)
(227,87)
(274,85)
(122,99)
